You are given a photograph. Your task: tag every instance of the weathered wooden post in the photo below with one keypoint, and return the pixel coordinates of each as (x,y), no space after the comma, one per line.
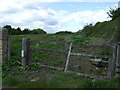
(117,70)
(111,64)
(66,53)
(25,51)
(4,49)
(4,45)
(68,57)
(1,57)
(8,40)
(1,44)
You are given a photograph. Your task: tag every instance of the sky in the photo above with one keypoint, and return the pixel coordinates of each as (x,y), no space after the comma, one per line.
(54,15)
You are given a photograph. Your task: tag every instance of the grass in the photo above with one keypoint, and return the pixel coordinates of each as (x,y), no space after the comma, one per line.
(62,80)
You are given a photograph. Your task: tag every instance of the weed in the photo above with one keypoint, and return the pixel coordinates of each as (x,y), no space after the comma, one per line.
(33,66)
(21,70)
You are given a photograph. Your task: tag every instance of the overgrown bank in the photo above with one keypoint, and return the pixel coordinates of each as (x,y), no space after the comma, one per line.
(107,30)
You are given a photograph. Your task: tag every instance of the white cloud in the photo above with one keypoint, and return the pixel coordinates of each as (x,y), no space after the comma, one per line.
(79,19)
(32,14)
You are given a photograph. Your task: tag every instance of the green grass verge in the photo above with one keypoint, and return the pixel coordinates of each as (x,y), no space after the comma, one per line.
(62,80)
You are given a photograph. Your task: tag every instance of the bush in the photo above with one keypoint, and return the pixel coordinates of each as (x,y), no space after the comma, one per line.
(38,31)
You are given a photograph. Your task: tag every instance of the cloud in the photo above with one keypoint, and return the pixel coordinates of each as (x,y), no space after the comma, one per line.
(32,14)
(77,20)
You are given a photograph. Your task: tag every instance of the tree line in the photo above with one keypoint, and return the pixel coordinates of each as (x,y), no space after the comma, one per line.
(18,31)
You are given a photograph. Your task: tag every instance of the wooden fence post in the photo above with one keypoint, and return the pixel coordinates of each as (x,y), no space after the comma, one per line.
(4,45)
(117,70)
(25,51)
(111,64)
(9,46)
(66,50)
(68,57)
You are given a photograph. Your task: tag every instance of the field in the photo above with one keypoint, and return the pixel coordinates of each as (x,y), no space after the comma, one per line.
(14,75)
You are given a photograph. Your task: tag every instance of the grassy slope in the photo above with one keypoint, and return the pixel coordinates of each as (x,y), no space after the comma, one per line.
(108,30)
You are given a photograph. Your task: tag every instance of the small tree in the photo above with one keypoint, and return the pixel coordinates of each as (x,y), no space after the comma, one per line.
(88,26)
(114,13)
(26,31)
(9,28)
